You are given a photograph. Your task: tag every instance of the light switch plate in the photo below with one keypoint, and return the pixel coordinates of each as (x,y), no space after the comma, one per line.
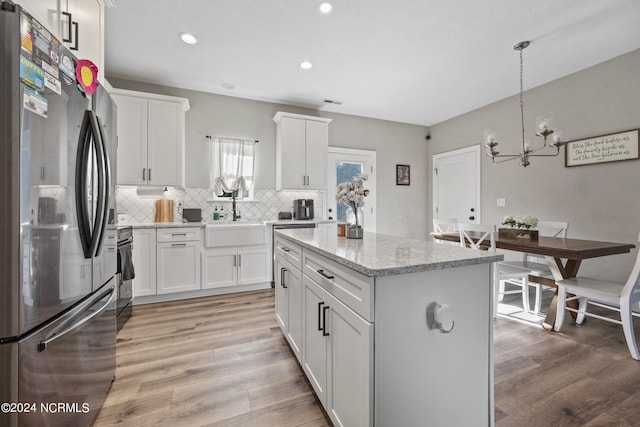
(501,203)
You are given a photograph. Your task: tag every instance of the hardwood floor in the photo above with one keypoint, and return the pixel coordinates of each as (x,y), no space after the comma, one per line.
(222,361)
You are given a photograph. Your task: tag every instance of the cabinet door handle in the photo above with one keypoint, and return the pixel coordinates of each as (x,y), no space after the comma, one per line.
(75,45)
(239,260)
(325,275)
(235,260)
(285,249)
(144,174)
(282,271)
(320,304)
(324,321)
(178,234)
(178,244)
(69,19)
(149,174)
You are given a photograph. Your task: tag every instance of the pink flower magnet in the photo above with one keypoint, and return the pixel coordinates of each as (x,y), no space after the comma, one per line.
(87,76)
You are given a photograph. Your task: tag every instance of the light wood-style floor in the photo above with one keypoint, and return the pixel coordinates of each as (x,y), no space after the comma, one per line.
(222,361)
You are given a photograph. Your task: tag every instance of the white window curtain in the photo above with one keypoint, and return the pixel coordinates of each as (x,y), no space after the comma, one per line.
(232,165)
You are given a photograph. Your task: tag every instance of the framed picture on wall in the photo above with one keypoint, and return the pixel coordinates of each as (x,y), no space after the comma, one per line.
(403,176)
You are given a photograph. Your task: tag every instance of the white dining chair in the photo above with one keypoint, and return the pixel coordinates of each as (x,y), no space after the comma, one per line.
(517,272)
(474,234)
(444,225)
(619,297)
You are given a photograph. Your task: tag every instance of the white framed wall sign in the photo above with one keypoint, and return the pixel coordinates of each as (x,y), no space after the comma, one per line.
(602,149)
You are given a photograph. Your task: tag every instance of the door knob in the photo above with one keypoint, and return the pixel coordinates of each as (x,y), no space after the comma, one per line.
(472,217)
(473,210)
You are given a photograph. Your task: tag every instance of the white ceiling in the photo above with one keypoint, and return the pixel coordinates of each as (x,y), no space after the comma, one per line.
(411,61)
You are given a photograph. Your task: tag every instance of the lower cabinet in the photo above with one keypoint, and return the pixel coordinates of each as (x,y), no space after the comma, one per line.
(332,342)
(144,261)
(178,259)
(230,266)
(289,309)
(337,356)
(178,267)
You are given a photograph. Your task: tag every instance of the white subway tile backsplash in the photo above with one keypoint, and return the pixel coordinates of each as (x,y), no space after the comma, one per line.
(265,206)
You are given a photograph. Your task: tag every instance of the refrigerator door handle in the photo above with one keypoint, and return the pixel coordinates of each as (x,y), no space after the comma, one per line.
(82,162)
(42,345)
(104,168)
(96,232)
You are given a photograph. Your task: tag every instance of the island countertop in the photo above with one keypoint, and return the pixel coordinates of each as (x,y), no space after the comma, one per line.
(378,255)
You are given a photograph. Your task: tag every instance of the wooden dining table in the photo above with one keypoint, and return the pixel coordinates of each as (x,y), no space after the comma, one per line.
(563,255)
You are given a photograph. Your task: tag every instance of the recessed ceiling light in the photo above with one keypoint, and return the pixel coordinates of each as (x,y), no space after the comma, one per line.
(188,38)
(306,65)
(228,86)
(325,7)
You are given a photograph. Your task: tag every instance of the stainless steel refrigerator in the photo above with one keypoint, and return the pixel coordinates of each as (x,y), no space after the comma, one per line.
(57,240)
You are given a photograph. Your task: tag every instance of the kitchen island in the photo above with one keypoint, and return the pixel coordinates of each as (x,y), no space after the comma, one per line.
(389,331)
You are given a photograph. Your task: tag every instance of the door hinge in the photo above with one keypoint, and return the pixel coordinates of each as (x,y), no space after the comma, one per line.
(436,170)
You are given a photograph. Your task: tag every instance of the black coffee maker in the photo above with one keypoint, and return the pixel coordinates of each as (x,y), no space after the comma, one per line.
(303,209)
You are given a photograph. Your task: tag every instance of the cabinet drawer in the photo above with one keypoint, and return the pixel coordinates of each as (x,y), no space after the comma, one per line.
(289,251)
(178,234)
(353,289)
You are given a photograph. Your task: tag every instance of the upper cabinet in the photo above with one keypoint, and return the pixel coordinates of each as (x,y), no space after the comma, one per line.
(301,151)
(78,24)
(151,138)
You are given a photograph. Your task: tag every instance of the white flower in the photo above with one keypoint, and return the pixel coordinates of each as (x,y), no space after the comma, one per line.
(352,193)
(521,221)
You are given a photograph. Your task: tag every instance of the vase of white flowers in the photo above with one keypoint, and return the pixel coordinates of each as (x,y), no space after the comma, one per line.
(520,227)
(352,194)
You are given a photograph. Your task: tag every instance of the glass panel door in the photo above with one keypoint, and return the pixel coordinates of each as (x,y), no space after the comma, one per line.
(344,164)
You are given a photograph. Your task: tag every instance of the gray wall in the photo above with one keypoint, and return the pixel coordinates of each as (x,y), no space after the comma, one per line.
(401,210)
(601,202)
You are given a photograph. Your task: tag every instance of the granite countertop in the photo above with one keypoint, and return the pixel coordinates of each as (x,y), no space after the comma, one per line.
(204,223)
(380,255)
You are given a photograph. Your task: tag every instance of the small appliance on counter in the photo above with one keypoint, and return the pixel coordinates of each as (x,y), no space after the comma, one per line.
(284,215)
(303,209)
(191,215)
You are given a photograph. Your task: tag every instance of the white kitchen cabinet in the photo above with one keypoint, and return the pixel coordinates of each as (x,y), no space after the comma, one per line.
(301,151)
(151,138)
(236,254)
(82,30)
(78,24)
(289,308)
(178,259)
(46,12)
(233,266)
(144,261)
(281,296)
(337,356)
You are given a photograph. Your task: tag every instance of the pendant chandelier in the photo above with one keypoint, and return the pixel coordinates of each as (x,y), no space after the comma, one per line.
(543,127)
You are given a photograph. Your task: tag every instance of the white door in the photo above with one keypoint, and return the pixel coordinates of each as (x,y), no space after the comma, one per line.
(344,164)
(456,184)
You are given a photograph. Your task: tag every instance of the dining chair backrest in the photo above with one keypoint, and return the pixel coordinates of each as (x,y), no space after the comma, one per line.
(547,229)
(553,228)
(475,234)
(632,287)
(445,225)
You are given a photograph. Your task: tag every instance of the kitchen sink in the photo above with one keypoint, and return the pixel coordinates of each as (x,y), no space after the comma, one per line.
(225,233)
